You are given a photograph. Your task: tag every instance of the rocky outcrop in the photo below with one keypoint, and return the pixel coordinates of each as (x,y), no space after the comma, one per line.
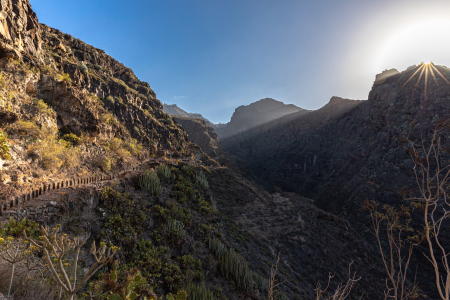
(255,114)
(385,74)
(19,30)
(200,133)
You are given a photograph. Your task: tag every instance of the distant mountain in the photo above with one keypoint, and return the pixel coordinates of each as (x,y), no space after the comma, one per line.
(174,110)
(246,117)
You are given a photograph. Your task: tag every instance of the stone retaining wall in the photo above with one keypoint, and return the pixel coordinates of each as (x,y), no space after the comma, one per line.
(47,187)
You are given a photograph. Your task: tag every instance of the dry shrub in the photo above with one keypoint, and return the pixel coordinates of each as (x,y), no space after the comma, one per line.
(42,107)
(114,144)
(27,128)
(27,285)
(105,163)
(123,154)
(55,153)
(133,146)
(108,118)
(64,77)
(4,146)
(123,150)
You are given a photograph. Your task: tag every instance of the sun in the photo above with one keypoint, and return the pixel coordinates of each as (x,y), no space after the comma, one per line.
(416,41)
(424,70)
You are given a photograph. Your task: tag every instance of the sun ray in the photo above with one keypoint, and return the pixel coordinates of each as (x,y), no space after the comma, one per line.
(440,74)
(420,76)
(434,77)
(421,66)
(412,69)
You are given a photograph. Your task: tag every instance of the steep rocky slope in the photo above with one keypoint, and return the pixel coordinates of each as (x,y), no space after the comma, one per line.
(258,113)
(356,155)
(200,133)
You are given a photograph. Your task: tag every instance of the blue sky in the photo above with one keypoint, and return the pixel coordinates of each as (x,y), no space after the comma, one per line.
(211,56)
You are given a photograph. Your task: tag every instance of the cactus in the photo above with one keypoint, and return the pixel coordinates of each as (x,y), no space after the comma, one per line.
(164,171)
(175,229)
(200,178)
(150,182)
(198,292)
(216,247)
(234,266)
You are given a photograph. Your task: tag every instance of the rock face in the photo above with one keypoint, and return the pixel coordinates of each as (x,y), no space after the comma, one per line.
(255,114)
(19,30)
(200,133)
(107,82)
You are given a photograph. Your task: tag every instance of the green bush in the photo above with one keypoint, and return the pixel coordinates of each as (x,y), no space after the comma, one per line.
(4,146)
(132,145)
(108,118)
(15,228)
(136,130)
(150,182)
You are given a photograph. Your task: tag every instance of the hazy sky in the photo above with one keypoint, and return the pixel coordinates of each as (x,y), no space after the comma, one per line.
(211,56)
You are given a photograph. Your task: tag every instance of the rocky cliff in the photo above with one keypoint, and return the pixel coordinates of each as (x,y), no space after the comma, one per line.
(255,114)
(20,34)
(200,133)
